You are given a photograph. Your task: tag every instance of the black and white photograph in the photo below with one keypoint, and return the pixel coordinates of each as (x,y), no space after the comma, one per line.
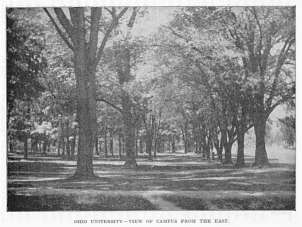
(150,108)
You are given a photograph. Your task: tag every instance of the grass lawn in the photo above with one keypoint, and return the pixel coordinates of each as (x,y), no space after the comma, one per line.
(170,182)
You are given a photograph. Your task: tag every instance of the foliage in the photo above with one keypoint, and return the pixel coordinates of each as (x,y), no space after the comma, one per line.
(25,61)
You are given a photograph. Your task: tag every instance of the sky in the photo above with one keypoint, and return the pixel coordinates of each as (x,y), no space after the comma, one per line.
(156,17)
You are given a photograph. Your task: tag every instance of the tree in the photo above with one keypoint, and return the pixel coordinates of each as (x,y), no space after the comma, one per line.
(259,42)
(25,61)
(266,37)
(86,56)
(25,66)
(122,58)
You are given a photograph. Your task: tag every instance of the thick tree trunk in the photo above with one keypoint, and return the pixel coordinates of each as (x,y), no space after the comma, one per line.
(129,132)
(141,150)
(149,145)
(240,146)
(73,145)
(203,144)
(209,146)
(120,146)
(111,143)
(59,145)
(218,147)
(260,154)
(240,150)
(173,144)
(219,153)
(11,146)
(100,147)
(63,147)
(25,147)
(136,141)
(85,155)
(123,144)
(86,109)
(208,151)
(228,153)
(185,140)
(155,147)
(197,140)
(97,146)
(68,148)
(105,144)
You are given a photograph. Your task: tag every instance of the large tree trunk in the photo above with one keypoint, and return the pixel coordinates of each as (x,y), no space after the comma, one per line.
(185,138)
(173,144)
(240,149)
(97,146)
(219,153)
(155,146)
(68,148)
(260,154)
(25,147)
(141,149)
(149,145)
(11,145)
(136,143)
(218,146)
(228,153)
(105,143)
(85,69)
(111,143)
(129,132)
(241,124)
(120,146)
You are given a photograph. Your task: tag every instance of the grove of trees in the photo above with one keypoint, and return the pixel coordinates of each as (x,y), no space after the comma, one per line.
(82,83)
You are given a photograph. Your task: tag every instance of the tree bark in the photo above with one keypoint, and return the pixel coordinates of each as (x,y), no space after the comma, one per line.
(25,147)
(241,124)
(228,154)
(111,143)
(173,144)
(260,153)
(120,146)
(141,149)
(149,145)
(129,132)
(155,147)
(185,138)
(85,70)
(105,143)
(240,150)
(96,145)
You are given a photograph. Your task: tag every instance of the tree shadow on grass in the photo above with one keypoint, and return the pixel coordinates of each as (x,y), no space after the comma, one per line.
(73,203)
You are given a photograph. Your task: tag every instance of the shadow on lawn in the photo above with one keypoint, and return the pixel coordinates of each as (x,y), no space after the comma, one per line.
(147,177)
(29,180)
(72,203)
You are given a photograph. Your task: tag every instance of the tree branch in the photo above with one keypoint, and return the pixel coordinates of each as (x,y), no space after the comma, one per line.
(281,59)
(113,24)
(60,32)
(96,13)
(109,103)
(64,22)
(132,18)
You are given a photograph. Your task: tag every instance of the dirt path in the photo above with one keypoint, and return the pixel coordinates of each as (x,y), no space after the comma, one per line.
(156,199)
